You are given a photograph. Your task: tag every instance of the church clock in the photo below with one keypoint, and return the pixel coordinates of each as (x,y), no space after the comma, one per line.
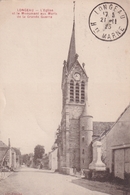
(77,76)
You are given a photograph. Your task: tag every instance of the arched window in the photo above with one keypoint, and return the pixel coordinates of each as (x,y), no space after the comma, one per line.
(83,128)
(82,139)
(77,92)
(82,92)
(71,90)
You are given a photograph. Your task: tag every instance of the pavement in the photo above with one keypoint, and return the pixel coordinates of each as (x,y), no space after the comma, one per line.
(29,181)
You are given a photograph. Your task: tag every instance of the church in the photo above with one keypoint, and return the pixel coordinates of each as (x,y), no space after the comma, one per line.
(76,125)
(75,133)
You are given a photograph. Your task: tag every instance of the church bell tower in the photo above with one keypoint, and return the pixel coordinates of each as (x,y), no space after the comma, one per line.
(74,95)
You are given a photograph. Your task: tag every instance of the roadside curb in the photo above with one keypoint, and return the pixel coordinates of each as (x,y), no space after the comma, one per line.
(103,187)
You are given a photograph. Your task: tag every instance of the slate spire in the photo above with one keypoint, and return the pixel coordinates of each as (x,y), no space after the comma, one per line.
(72,48)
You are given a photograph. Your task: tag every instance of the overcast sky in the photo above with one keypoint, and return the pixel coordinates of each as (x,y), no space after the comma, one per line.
(32,51)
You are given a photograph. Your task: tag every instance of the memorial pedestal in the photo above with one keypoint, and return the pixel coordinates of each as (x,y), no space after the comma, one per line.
(97,163)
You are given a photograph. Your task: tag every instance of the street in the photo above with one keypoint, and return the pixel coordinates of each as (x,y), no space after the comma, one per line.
(30,181)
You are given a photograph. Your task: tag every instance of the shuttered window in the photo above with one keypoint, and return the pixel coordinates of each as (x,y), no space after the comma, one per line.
(71,90)
(77,92)
(82,92)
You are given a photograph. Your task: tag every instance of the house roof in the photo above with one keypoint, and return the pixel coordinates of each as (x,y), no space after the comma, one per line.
(4,153)
(116,120)
(122,113)
(3,145)
(17,151)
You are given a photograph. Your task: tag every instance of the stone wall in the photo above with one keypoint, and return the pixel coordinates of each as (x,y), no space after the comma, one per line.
(74,110)
(86,132)
(74,140)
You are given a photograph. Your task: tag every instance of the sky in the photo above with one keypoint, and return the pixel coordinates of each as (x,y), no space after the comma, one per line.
(32,51)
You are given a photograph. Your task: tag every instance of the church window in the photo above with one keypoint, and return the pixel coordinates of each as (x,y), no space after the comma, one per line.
(83,161)
(83,151)
(77,92)
(71,90)
(82,139)
(82,128)
(82,91)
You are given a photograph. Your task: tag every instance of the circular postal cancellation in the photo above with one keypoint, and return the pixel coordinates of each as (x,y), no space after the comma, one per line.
(108,21)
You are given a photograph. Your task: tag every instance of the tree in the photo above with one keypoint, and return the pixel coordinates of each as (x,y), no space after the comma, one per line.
(25,158)
(18,155)
(39,151)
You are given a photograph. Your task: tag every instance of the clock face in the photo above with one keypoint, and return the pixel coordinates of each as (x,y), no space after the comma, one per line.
(77,76)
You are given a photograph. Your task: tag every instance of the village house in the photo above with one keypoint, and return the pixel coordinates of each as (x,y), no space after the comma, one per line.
(53,158)
(9,157)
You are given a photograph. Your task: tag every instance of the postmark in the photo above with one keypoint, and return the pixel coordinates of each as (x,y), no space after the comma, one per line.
(108,21)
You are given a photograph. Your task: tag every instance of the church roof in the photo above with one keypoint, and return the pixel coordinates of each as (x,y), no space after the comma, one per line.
(72,56)
(101,127)
(72,49)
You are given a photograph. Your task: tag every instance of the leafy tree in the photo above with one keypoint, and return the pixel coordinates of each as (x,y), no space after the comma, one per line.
(25,158)
(30,159)
(39,151)
(18,155)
